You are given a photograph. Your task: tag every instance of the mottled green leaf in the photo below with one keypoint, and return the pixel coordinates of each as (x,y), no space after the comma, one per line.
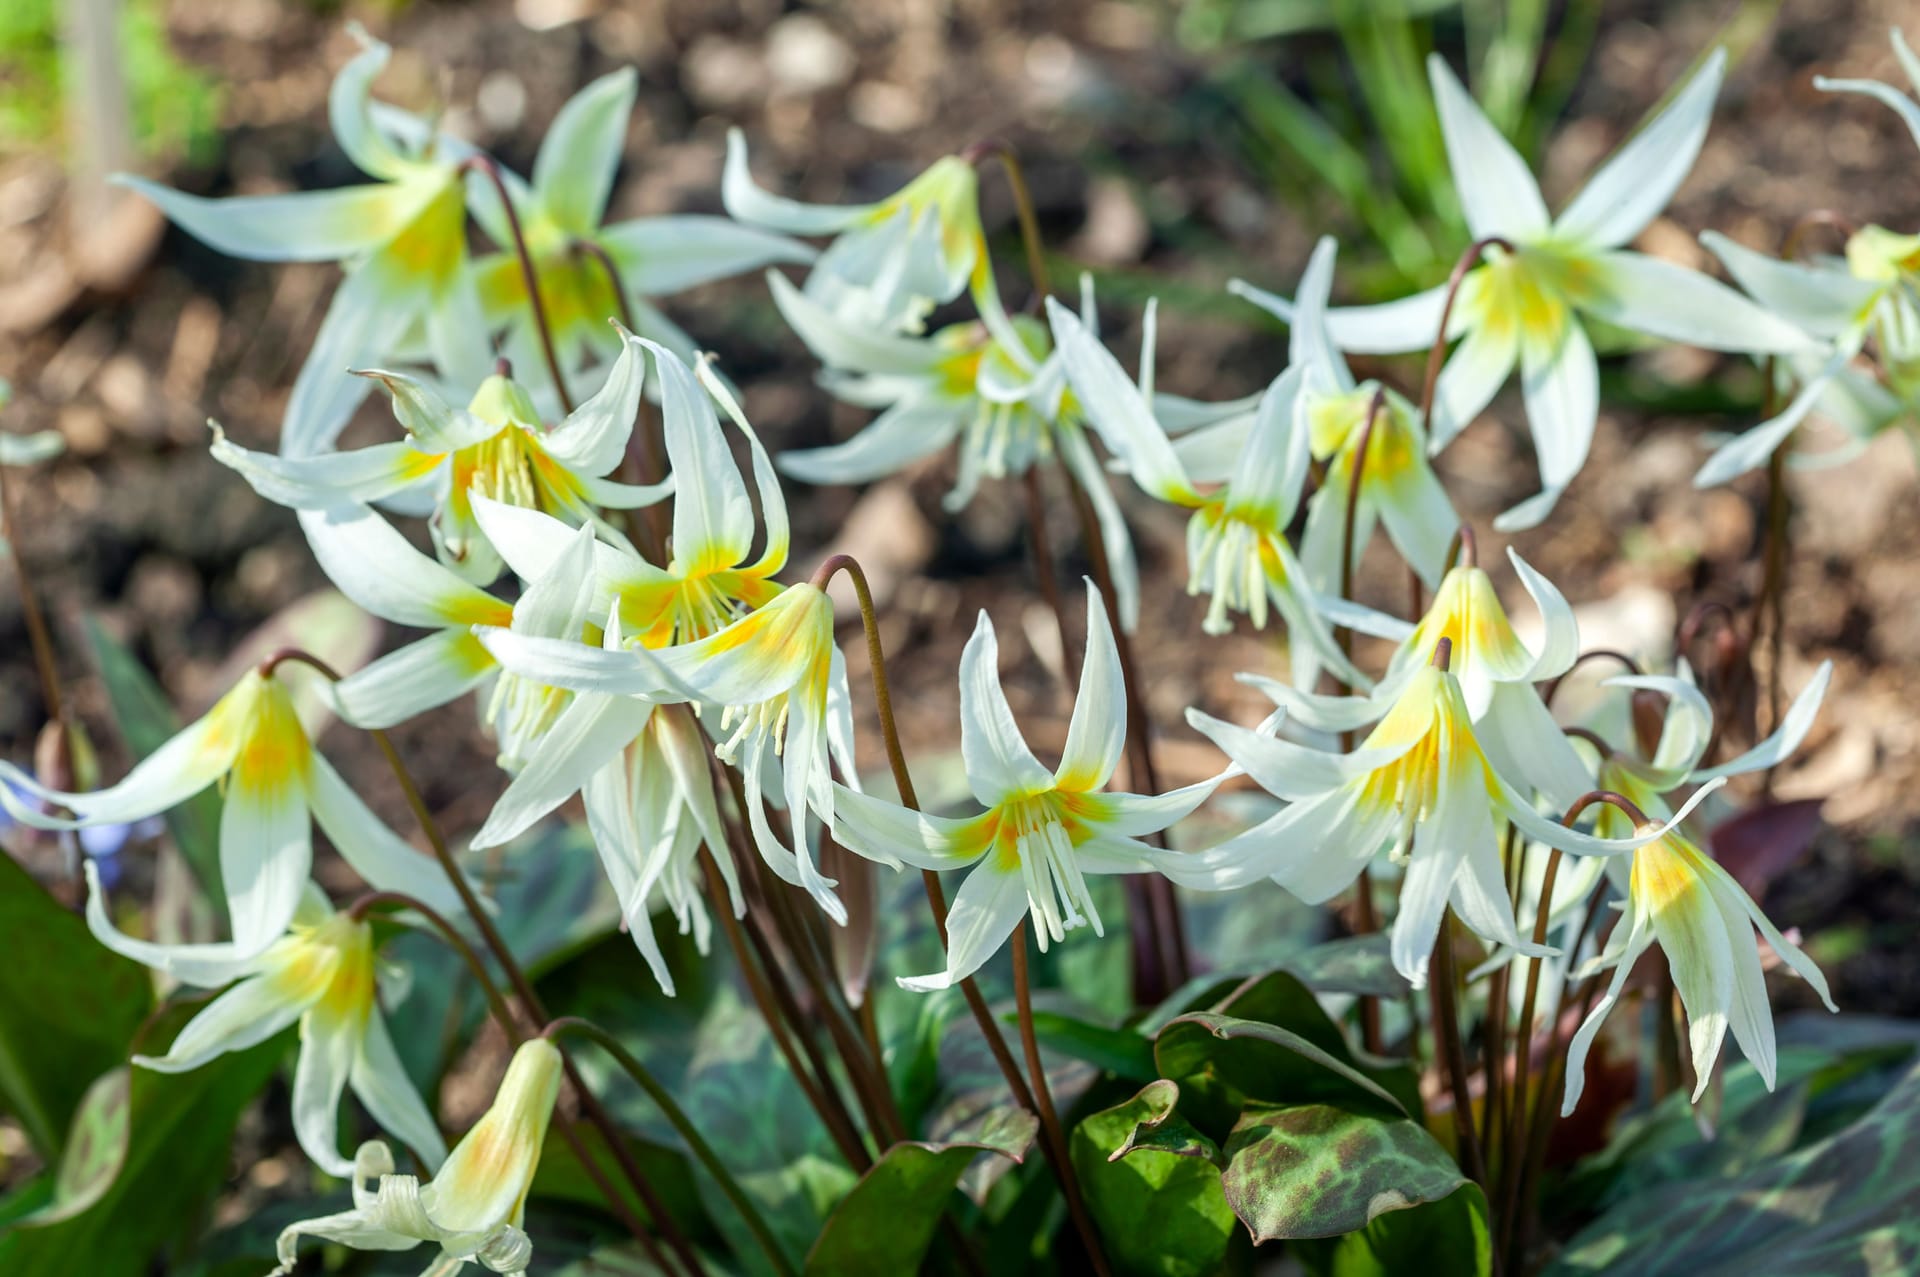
(147,721)
(1842,1205)
(95,1149)
(1162,1130)
(1222,1063)
(178,1137)
(1160,1213)
(67,1012)
(1357,965)
(1312,1170)
(885,1224)
(1447,1238)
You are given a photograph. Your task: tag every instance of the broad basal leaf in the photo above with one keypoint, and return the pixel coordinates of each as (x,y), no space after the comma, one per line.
(1159,1211)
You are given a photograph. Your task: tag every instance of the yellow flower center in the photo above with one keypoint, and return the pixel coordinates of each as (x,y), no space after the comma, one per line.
(329,967)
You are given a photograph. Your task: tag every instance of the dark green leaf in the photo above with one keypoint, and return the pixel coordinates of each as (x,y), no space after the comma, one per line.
(1122,1052)
(1313,1170)
(1223,1062)
(179,1132)
(1357,965)
(562,1177)
(1159,1213)
(147,721)
(66,1013)
(1162,1130)
(1447,1238)
(885,1224)
(1844,1204)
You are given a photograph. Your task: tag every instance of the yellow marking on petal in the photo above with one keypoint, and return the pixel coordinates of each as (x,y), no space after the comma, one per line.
(1666,875)
(328,967)
(433,244)
(274,751)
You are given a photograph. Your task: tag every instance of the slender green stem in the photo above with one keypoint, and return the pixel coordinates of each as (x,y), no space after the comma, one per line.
(1022,208)
(485,166)
(1436,355)
(677,1117)
(1050,1127)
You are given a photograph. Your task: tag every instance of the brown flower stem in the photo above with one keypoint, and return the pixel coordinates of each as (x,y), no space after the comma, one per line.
(1050,1127)
(1175,966)
(996,149)
(687,1130)
(485,166)
(1773,584)
(1450,1051)
(1552,685)
(1436,356)
(38,635)
(1366,920)
(1040,547)
(516,1034)
(590,1105)
(645,453)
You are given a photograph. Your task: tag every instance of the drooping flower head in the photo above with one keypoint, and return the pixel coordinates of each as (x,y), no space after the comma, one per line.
(402,240)
(495,447)
(1525,305)
(321,975)
(473,1208)
(1042,831)
(275,785)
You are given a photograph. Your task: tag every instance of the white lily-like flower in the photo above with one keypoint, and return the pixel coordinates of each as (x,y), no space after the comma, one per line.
(1422,782)
(1237,551)
(1495,669)
(374,565)
(1042,832)
(561,212)
(275,786)
(321,975)
(474,1206)
(892,261)
(1007,408)
(402,240)
(495,447)
(1525,306)
(1397,488)
(1872,293)
(1703,921)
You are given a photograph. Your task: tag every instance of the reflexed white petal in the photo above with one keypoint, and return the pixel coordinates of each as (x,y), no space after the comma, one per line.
(309,226)
(1326,713)
(530,541)
(1425,892)
(1130,816)
(1630,189)
(423,413)
(662,255)
(712,513)
(626,854)
(749,203)
(1562,393)
(989,905)
(1389,328)
(611,494)
(1419,518)
(1684,733)
(1700,956)
(1471,377)
(809,788)
(247,1014)
(573,174)
(557,603)
(1560,629)
(381,1082)
(889,833)
(377,568)
(578,667)
(587,735)
(413,679)
(1117,411)
(327,1048)
(368,315)
(1793,728)
(1284,769)
(192,759)
(349,108)
(1752,448)
(1497,193)
(266,854)
(1077,454)
(327,478)
(1551,832)
(1272,468)
(207,966)
(773,502)
(381,857)
(1825,300)
(1790,953)
(1309,344)
(1523,743)
(1097,734)
(1657,297)
(1748,1013)
(1904,106)
(909,430)
(997,759)
(593,439)
(1577,1049)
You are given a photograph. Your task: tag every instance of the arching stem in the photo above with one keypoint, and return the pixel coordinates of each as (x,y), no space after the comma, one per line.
(645,454)
(1436,356)
(997,149)
(485,166)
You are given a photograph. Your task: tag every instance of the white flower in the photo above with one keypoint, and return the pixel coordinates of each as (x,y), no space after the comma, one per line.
(1042,832)
(321,975)
(1237,551)
(1524,307)
(495,447)
(473,1208)
(251,742)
